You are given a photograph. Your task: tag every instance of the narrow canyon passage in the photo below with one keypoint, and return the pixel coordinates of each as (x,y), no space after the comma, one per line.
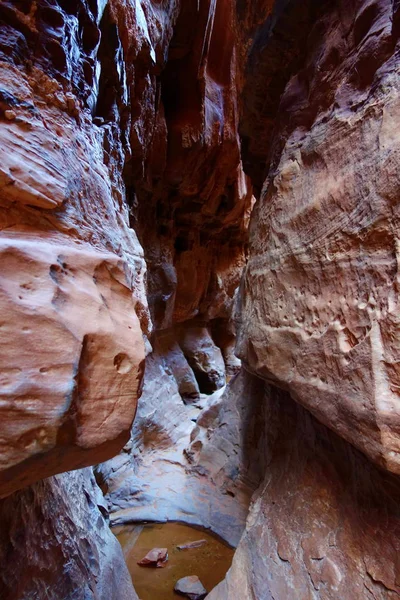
(199,299)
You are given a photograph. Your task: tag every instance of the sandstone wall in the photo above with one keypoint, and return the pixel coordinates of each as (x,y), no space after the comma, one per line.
(324,524)
(119,129)
(55,543)
(118,123)
(319,309)
(71,274)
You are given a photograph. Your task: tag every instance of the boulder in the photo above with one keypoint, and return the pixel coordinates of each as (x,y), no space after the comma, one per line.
(204,357)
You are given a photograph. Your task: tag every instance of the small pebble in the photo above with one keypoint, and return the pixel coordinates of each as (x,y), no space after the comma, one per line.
(10,115)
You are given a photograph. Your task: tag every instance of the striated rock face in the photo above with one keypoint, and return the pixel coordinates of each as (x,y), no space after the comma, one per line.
(71,269)
(319,300)
(55,543)
(316,314)
(115,118)
(324,524)
(317,308)
(191,199)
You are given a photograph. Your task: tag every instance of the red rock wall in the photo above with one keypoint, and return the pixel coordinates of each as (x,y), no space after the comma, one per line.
(116,120)
(190,196)
(71,274)
(324,524)
(319,309)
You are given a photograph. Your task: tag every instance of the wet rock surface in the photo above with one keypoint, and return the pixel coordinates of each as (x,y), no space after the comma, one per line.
(210,561)
(155,558)
(202,472)
(190,545)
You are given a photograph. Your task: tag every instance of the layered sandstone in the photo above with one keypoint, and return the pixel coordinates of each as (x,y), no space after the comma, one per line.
(319,312)
(190,198)
(71,268)
(119,128)
(317,307)
(114,118)
(111,116)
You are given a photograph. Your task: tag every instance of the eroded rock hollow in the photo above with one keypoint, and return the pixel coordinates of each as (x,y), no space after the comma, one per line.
(199,291)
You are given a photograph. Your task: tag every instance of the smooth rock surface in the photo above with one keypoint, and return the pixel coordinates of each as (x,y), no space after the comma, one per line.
(71,354)
(191,197)
(204,357)
(166,343)
(155,558)
(174,469)
(190,545)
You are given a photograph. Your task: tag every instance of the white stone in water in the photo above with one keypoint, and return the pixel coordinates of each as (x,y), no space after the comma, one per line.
(191,587)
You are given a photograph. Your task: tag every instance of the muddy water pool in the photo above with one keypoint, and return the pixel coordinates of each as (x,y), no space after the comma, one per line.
(209,562)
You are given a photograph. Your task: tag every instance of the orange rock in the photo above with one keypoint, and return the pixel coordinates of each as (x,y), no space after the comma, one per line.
(191,587)
(319,299)
(71,357)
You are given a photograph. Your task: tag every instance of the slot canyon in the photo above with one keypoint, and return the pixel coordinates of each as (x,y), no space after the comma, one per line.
(200,299)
